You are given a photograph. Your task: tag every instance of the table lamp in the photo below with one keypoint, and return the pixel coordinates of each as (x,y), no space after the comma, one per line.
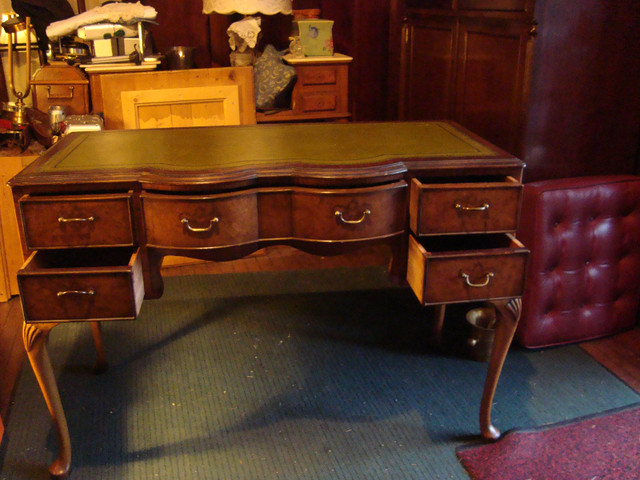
(243,35)
(12,26)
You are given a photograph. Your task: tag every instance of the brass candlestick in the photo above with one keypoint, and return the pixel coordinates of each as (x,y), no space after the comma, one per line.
(12,26)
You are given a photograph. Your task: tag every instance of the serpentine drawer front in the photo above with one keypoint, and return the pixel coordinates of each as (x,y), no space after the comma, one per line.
(348,214)
(221,220)
(466,268)
(481,206)
(198,221)
(81,284)
(77,220)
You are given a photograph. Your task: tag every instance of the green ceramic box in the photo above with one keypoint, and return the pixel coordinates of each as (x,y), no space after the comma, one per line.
(316,36)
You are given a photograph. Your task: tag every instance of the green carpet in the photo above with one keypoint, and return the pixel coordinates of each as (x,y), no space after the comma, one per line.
(322,374)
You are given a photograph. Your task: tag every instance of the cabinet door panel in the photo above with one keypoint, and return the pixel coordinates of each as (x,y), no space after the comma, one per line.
(428,48)
(490,79)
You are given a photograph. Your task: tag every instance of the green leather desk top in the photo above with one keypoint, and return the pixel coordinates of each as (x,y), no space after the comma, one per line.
(227,156)
(256,146)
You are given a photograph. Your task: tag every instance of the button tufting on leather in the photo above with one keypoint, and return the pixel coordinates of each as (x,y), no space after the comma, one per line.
(585,258)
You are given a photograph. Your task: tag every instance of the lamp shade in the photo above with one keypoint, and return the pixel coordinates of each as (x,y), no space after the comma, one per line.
(247,7)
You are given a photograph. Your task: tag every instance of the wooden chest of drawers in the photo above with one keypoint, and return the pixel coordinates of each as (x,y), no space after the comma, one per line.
(321,91)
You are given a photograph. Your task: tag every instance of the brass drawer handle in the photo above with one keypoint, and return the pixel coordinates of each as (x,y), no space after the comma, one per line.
(459,206)
(212,222)
(487,279)
(60,97)
(76,292)
(85,219)
(339,214)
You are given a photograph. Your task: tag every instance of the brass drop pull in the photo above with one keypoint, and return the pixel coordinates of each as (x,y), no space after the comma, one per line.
(60,97)
(80,219)
(482,208)
(338,213)
(76,292)
(487,279)
(212,222)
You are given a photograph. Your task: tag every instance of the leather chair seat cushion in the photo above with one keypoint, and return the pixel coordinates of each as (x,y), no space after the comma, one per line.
(583,278)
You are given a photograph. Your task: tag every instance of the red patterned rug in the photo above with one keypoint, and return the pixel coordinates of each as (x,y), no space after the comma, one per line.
(605,446)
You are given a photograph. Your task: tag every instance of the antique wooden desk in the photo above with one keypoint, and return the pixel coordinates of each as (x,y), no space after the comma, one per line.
(99,211)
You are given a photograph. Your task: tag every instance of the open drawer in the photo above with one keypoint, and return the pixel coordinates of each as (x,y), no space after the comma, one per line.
(472,205)
(466,268)
(83,284)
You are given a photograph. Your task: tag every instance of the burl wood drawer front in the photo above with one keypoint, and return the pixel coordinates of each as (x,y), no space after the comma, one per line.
(453,208)
(82,284)
(349,214)
(200,221)
(460,269)
(77,221)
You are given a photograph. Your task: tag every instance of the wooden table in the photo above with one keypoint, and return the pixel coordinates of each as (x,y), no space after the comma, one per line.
(99,211)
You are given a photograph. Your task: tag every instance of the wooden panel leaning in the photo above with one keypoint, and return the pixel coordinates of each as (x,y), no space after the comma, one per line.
(107,90)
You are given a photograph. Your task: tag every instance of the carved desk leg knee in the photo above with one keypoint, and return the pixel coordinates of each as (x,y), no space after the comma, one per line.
(507,314)
(35,337)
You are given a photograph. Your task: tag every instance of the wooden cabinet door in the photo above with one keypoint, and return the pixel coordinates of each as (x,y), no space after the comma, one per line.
(469,67)
(428,68)
(491,75)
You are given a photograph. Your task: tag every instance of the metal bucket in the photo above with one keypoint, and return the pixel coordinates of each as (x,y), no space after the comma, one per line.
(180,58)
(482,321)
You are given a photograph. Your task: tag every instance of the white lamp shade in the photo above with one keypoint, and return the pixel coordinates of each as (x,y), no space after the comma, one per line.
(247,7)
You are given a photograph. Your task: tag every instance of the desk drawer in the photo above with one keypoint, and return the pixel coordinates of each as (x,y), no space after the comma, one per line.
(77,221)
(349,214)
(466,268)
(83,284)
(200,221)
(469,207)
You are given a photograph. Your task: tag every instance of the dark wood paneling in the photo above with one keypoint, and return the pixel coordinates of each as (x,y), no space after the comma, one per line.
(361,30)
(584,108)
(181,24)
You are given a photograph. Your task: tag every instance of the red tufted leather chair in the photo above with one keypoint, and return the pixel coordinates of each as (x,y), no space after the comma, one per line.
(583,279)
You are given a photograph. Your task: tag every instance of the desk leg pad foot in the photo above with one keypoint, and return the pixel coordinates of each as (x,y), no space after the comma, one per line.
(508,315)
(35,337)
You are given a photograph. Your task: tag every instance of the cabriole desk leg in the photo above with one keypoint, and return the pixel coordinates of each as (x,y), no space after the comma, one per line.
(35,337)
(101,365)
(507,315)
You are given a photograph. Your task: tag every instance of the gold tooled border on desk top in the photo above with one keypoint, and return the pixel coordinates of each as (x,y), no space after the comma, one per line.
(257,146)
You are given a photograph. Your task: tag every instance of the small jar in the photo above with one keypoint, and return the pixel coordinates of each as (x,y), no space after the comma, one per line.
(295,47)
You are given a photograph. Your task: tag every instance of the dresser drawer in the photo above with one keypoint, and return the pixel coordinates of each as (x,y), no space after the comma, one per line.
(77,221)
(464,268)
(318,75)
(320,102)
(469,207)
(200,221)
(83,284)
(349,214)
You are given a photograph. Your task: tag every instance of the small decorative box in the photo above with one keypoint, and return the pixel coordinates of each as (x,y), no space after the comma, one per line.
(316,36)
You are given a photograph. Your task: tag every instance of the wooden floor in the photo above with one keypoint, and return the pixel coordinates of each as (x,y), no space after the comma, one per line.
(620,353)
